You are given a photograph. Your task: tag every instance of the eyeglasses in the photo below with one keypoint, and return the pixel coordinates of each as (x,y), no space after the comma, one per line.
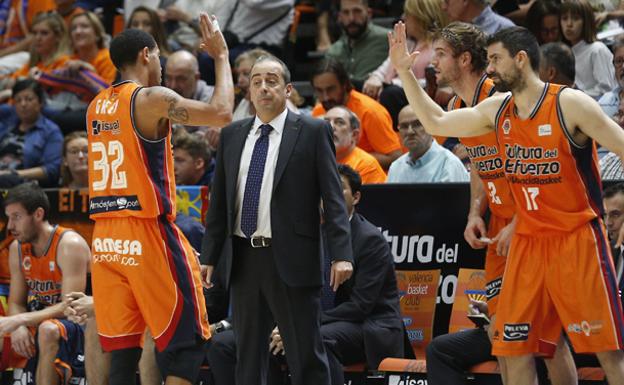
(618,62)
(414,125)
(77,151)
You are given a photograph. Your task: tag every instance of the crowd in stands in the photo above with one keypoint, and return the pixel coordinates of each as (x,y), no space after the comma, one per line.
(54,59)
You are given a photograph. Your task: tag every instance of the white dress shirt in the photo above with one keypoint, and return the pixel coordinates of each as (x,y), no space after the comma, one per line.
(263,228)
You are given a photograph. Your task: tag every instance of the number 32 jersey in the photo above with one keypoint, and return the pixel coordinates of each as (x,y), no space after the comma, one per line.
(555,182)
(129,176)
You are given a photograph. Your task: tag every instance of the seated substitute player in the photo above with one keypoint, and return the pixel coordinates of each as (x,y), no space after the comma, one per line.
(46,262)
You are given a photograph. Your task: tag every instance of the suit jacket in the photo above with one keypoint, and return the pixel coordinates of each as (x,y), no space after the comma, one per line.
(305,172)
(370,297)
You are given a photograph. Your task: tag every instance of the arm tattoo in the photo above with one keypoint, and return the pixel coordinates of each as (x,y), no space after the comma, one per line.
(175,113)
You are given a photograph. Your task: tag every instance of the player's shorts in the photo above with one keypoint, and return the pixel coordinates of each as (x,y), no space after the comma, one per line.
(494,264)
(145,273)
(70,359)
(559,282)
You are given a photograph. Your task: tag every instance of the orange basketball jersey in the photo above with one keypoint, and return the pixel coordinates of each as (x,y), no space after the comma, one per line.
(42,273)
(129,176)
(485,157)
(554,181)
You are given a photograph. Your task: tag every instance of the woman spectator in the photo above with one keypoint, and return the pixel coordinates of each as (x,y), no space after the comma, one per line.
(147,20)
(30,144)
(88,40)
(48,50)
(74,169)
(422,18)
(543,21)
(595,74)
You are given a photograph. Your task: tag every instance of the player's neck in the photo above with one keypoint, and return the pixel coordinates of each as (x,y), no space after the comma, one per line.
(526,98)
(466,87)
(43,239)
(132,74)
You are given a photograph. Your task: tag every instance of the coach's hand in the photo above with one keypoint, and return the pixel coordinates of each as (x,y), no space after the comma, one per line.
(276,346)
(206,271)
(475,229)
(213,42)
(340,272)
(23,342)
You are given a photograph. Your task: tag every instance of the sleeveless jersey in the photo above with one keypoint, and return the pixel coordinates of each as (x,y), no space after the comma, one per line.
(555,182)
(485,157)
(129,176)
(42,273)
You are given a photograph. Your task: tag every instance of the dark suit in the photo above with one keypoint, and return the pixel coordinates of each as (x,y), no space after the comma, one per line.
(365,324)
(280,283)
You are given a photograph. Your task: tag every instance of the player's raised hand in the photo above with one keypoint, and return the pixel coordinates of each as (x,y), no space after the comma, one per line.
(212,42)
(399,56)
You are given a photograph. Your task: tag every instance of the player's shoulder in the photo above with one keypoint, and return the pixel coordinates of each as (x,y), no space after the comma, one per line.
(70,238)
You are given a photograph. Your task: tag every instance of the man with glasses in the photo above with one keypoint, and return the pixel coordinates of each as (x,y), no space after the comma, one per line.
(610,101)
(426,161)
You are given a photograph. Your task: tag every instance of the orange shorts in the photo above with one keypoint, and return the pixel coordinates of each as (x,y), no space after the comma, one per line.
(559,282)
(494,264)
(145,273)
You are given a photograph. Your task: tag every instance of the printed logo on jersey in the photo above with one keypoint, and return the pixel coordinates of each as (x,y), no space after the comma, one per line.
(51,265)
(506,126)
(492,288)
(98,126)
(46,292)
(113,203)
(26,263)
(516,332)
(532,165)
(120,251)
(587,328)
(544,130)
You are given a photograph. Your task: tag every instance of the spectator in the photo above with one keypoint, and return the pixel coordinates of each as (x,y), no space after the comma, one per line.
(46,262)
(594,68)
(363,45)
(16,20)
(147,20)
(542,20)
(346,126)
(48,51)
(30,144)
(74,168)
(557,64)
(477,12)
(613,199)
(68,9)
(88,40)
(611,100)
(611,164)
(182,76)
(426,161)
(422,18)
(192,161)
(333,87)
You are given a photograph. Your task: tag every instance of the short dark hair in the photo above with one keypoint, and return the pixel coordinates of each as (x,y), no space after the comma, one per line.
(275,59)
(194,145)
(516,39)
(466,37)
(29,195)
(353,177)
(560,56)
(27,84)
(126,46)
(584,10)
(612,190)
(333,66)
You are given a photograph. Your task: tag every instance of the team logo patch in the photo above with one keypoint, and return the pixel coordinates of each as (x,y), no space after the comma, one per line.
(506,126)
(544,130)
(51,264)
(114,203)
(26,263)
(516,332)
(492,288)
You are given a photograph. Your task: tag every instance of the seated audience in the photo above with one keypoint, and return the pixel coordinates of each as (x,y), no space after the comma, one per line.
(361,321)
(422,18)
(46,262)
(610,101)
(68,9)
(363,45)
(74,167)
(48,51)
(611,164)
(192,162)
(542,20)
(426,161)
(477,12)
(346,127)
(594,61)
(557,64)
(147,20)
(30,144)
(333,87)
